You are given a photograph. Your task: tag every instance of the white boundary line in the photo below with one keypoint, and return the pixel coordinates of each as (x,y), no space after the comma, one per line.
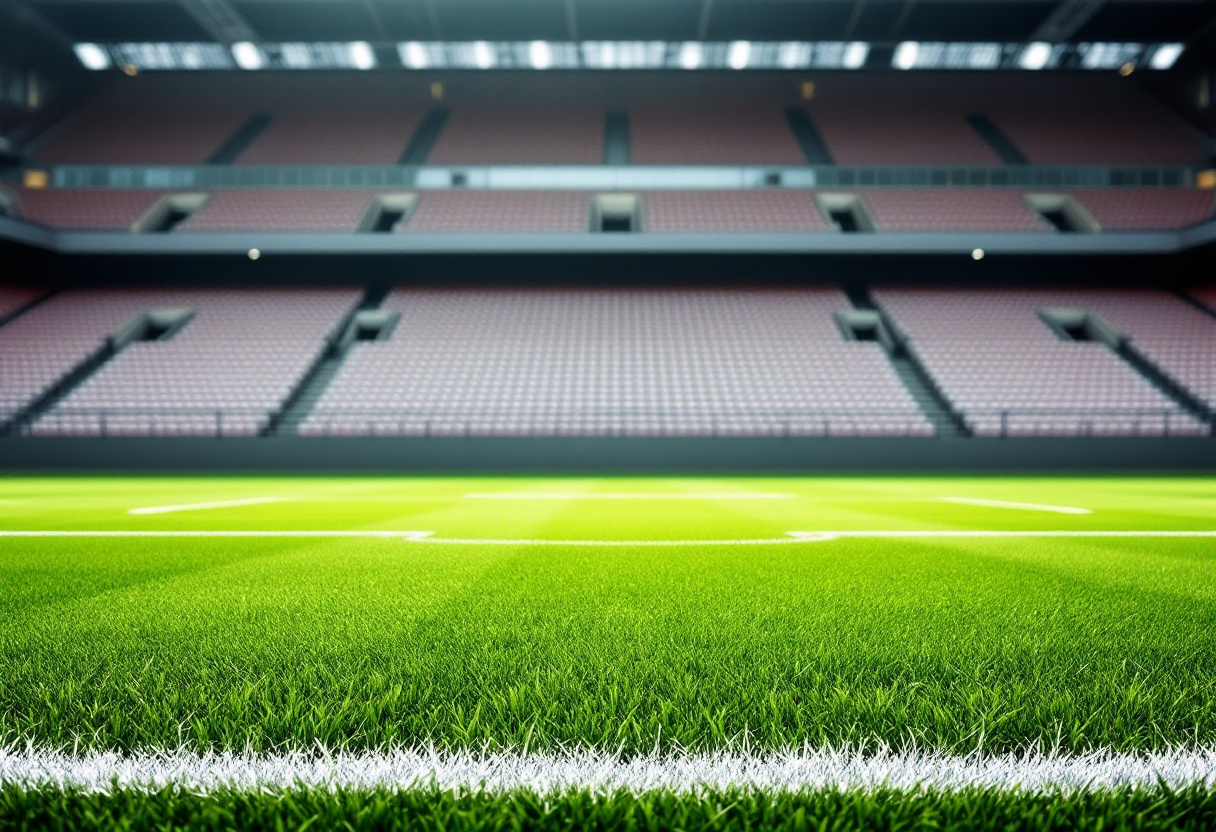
(1013,533)
(793,537)
(392,534)
(591,495)
(971,501)
(253,501)
(558,772)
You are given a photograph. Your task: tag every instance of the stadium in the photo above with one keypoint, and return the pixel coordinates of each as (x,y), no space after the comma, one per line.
(561,414)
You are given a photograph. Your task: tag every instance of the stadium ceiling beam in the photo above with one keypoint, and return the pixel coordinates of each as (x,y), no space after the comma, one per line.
(220,20)
(571,21)
(707,10)
(1066,20)
(432,16)
(29,15)
(859,8)
(377,19)
(902,18)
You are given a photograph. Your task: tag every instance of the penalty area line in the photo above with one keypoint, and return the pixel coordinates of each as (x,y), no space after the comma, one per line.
(972,501)
(253,501)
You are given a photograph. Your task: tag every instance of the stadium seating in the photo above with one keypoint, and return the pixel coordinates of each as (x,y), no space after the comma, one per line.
(1009,374)
(158,127)
(92,210)
(1206,297)
(522,135)
(900,121)
(232,365)
(13,299)
(712,135)
(726,211)
(43,346)
(280,210)
(1143,209)
(335,134)
(535,211)
(1177,338)
(951,209)
(1092,121)
(636,363)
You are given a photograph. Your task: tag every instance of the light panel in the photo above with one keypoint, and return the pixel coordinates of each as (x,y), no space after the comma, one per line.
(627,55)
(92,56)
(247,55)
(1166,55)
(1035,56)
(361,55)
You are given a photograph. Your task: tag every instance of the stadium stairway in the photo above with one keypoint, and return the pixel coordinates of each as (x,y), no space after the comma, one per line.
(1001,144)
(62,389)
(423,141)
(21,310)
(1166,384)
(315,382)
(928,397)
(616,138)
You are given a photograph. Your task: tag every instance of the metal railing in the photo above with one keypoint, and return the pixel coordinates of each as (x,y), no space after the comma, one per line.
(451,422)
(546,422)
(147,421)
(617,422)
(1085,422)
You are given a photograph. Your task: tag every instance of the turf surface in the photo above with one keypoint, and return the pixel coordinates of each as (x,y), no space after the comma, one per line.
(1144,811)
(950,644)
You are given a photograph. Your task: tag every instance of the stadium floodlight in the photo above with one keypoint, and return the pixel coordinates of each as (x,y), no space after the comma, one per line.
(691,55)
(794,54)
(738,55)
(247,55)
(362,56)
(1035,55)
(91,56)
(1166,55)
(540,54)
(413,55)
(855,55)
(905,55)
(483,55)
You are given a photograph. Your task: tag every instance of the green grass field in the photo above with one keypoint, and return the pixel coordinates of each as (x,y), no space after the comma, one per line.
(549,620)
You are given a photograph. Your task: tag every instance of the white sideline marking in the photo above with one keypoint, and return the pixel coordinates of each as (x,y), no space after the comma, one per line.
(601,772)
(575,495)
(973,533)
(790,538)
(253,501)
(969,501)
(404,535)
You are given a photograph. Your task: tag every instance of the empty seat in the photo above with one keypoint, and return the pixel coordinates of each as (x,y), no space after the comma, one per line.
(521,135)
(470,211)
(101,209)
(1005,370)
(714,134)
(279,210)
(1146,209)
(951,209)
(226,372)
(616,363)
(731,211)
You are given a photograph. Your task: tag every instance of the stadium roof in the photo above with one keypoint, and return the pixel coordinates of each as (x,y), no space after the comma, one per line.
(382,21)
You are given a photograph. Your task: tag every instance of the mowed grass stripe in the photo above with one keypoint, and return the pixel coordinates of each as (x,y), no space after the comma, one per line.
(733,810)
(947,643)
